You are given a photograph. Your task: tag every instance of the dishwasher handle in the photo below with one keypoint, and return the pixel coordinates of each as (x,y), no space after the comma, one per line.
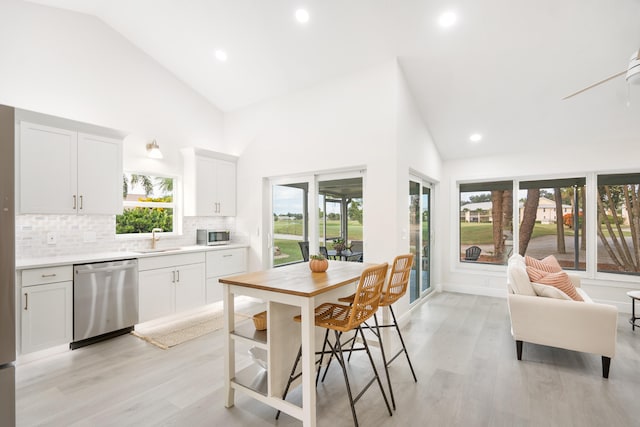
(108,269)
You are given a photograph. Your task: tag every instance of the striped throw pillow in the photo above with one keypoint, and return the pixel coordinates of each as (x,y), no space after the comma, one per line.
(549,264)
(558,279)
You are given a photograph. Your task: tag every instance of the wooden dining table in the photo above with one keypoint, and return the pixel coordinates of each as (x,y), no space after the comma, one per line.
(287,291)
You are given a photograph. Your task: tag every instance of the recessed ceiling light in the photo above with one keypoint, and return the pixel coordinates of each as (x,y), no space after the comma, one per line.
(221,55)
(447,19)
(476,137)
(302,16)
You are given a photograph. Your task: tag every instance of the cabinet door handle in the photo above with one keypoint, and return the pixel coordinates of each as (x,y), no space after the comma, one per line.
(226,256)
(81,201)
(49,275)
(26,301)
(178,271)
(173,276)
(74,201)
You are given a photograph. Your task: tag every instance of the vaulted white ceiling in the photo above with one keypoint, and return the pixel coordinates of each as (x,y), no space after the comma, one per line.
(501,70)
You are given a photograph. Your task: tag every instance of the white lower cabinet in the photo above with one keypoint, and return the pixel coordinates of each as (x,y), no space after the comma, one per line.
(220,263)
(169,290)
(46,308)
(190,289)
(156,294)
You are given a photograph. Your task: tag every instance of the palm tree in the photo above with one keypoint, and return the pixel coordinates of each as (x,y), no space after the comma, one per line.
(165,184)
(528,218)
(610,198)
(125,186)
(497,216)
(144,181)
(559,221)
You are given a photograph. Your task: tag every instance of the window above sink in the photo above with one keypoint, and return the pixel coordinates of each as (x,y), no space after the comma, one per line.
(149,202)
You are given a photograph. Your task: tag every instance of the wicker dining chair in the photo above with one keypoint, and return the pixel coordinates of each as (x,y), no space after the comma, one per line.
(345,318)
(395,289)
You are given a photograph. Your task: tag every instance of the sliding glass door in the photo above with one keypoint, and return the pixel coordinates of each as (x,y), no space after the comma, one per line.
(337,202)
(419,238)
(341,211)
(290,225)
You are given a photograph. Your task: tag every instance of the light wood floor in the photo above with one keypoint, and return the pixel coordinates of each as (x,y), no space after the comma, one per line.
(460,345)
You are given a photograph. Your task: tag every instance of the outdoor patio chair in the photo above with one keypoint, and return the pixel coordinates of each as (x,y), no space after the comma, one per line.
(323,252)
(304,248)
(357,246)
(355,258)
(472,253)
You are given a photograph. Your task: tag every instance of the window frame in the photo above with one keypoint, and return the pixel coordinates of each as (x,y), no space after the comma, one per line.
(562,182)
(496,272)
(472,186)
(610,178)
(175,205)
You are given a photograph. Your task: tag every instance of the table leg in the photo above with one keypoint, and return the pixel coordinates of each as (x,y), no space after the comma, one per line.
(229,345)
(308,363)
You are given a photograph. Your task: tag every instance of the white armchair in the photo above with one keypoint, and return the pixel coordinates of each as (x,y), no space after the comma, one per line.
(581,326)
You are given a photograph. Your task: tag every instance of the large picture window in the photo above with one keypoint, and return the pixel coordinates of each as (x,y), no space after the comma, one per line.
(148,203)
(552,214)
(486,222)
(619,223)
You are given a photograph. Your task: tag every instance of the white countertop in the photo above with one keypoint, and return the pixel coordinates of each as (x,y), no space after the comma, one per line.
(25,263)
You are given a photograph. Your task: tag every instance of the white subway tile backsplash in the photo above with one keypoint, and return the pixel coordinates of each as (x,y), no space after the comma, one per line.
(71,230)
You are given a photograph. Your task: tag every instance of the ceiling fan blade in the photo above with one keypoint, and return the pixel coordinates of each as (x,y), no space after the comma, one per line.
(595,84)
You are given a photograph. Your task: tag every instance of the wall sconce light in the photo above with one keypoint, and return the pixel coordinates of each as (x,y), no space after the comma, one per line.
(153,150)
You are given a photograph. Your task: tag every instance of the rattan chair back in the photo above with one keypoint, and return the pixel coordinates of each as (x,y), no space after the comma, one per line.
(368,293)
(398,279)
(366,300)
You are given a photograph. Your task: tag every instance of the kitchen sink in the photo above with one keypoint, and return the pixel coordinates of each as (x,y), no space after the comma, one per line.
(151,251)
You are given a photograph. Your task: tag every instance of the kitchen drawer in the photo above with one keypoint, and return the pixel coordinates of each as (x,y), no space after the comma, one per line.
(39,276)
(163,261)
(226,262)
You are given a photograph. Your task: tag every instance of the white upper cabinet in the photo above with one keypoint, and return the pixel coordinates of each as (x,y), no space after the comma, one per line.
(209,183)
(99,175)
(47,168)
(65,172)
(226,179)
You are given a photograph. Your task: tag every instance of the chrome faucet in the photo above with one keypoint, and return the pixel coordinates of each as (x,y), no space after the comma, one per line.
(154,239)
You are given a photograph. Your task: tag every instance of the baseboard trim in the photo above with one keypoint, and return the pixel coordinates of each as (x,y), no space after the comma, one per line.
(475,290)
(623,307)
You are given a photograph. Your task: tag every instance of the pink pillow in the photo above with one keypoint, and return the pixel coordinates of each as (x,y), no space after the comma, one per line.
(549,264)
(558,279)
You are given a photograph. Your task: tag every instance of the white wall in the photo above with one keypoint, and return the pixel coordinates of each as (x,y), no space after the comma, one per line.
(364,120)
(342,124)
(348,123)
(418,155)
(74,66)
(491,280)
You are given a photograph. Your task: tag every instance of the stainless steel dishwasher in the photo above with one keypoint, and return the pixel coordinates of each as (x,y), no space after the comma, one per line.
(105,300)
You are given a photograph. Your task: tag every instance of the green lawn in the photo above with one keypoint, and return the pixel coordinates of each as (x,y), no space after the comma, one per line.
(289,247)
(294,227)
(478,234)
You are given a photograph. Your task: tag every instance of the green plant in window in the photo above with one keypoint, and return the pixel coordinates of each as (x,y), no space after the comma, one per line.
(143,220)
(339,245)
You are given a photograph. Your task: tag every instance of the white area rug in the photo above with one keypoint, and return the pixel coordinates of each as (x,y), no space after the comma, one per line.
(169,332)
